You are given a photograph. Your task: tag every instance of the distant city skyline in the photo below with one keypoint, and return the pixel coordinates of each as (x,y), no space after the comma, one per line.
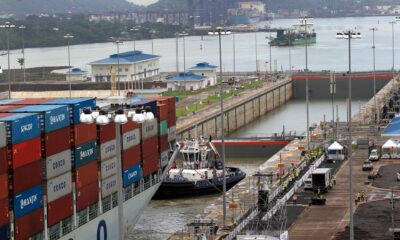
(143,2)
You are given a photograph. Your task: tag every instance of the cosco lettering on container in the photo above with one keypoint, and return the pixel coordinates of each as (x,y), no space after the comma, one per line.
(58,164)
(56,119)
(28,201)
(87,153)
(26,127)
(132,175)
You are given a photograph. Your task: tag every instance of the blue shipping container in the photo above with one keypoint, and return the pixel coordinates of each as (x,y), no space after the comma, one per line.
(21,127)
(8,101)
(84,154)
(76,106)
(52,117)
(132,175)
(4,232)
(28,201)
(144,102)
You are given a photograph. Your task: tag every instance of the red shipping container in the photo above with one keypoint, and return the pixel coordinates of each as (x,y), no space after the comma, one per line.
(162,112)
(163,143)
(171,104)
(131,156)
(160,99)
(129,126)
(150,146)
(86,174)
(4,214)
(3,186)
(59,209)
(171,119)
(31,101)
(87,196)
(25,152)
(151,164)
(83,133)
(3,160)
(56,141)
(105,133)
(27,176)
(29,225)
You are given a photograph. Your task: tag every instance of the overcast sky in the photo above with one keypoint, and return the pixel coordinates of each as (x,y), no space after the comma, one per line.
(143,2)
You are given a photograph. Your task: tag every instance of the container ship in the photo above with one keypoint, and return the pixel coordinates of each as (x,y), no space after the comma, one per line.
(247,13)
(59,177)
(296,35)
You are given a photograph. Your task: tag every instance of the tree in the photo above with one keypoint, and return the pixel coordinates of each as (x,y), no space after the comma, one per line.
(21,62)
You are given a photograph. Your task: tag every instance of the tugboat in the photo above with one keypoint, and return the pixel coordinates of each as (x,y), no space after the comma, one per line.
(296,35)
(200,173)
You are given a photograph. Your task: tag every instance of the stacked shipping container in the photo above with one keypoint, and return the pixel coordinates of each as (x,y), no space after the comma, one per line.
(44,139)
(20,135)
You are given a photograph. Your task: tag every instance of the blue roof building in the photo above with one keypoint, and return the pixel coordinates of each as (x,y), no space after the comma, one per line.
(203,66)
(133,66)
(187,81)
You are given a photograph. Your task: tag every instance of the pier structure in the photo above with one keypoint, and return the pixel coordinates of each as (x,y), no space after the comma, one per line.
(312,222)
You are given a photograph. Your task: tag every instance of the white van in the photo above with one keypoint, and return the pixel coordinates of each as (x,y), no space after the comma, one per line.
(308,183)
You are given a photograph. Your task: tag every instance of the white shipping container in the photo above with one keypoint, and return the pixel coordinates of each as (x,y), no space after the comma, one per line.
(171,133)
(3,135)
(108,149)
(164,159)
(149,129)
(58,164)
(109,186)
(108,168)
(59,187)
(130,139)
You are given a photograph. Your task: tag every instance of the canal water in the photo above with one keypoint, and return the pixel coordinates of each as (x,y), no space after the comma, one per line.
(327,53)
(161,218)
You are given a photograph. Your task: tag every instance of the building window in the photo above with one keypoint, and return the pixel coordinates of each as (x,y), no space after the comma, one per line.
(126,69)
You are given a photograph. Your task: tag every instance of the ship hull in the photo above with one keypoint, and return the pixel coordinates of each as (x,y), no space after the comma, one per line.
(180,189)
(294,42)
(106,225)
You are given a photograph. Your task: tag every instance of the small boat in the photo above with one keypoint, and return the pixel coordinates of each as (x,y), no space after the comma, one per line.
(201,172)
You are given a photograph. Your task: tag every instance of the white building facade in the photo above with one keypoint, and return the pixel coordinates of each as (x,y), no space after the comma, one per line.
(186,82)
(133,66)
(207,70)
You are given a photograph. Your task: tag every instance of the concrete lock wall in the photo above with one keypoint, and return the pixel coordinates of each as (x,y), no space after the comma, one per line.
(263,104)
(243,113)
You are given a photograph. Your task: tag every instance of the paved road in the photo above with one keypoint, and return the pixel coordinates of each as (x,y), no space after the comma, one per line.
(325,222)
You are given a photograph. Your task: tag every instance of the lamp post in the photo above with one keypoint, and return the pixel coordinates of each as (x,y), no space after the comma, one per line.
(219,31)
(255,48)
(119,119)
(183,34)
(234,54)
(270,54)
(8,26)
(290,51)
(349,35)
(373,29)
(177,53)
(22,27)
(304,21)
(135,29)
(332,90)
(118,42)
(69,37)
(393,23)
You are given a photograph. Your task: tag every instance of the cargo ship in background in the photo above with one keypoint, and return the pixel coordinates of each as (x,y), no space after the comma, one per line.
(59,176)
(296,35)
(246,15)
(200,172)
